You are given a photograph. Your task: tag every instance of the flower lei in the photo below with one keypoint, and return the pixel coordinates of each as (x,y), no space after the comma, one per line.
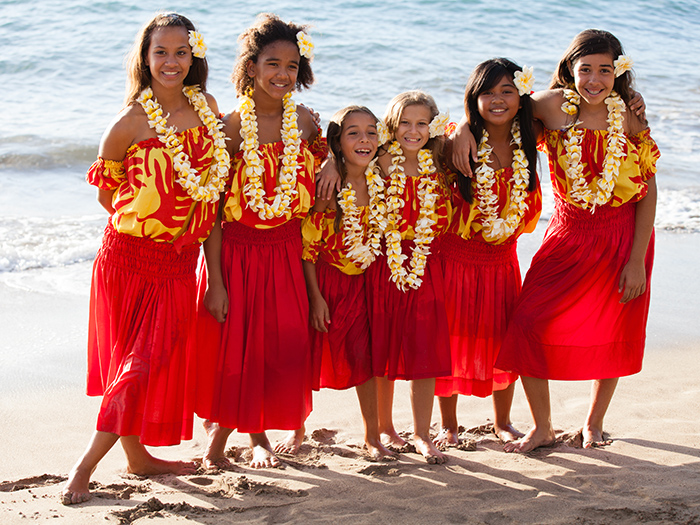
(423,228)
(286,190)
(495,227)
(614,151)
(437,125)
(364,253)
(188,177)
(199,48)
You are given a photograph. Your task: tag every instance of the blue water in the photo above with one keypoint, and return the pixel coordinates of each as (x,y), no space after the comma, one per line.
(61,64)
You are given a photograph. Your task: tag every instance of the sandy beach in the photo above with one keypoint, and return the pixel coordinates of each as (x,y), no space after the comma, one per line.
(650,473)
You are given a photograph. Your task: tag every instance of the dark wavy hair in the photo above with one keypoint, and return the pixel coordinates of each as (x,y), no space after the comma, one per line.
(333,135)
(485,77)
(394,111)
(268,28)
(592,42)
(139,74)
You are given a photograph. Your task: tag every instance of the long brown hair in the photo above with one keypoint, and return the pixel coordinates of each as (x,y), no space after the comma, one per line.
(139,74)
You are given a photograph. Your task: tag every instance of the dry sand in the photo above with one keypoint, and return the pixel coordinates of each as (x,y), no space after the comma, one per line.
(650,473)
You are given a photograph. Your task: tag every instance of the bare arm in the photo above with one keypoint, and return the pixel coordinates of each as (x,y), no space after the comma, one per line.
(215,297)
(319,315)
(463,148)
(633,276)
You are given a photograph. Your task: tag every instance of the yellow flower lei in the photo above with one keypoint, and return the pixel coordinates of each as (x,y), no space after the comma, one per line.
(423,227)
(495,227)
(580,192)
(188,177)
(286,190)
(359,252)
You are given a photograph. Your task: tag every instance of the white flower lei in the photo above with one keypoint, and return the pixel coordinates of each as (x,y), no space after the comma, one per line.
(580,193)
(188,177)
(359,252)
(495,227)
(423,227)
(286,190)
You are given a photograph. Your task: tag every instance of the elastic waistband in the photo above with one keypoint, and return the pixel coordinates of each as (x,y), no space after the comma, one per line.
(604,218)
(454,247)
(235,231)
(145,256)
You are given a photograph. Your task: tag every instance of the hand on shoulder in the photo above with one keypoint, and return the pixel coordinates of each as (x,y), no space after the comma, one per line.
(306,124)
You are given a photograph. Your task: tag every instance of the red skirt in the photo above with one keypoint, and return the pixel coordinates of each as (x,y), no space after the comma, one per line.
(254,370)
(568,322)
(142,308)
(410,335)
(341,357)
(484,283)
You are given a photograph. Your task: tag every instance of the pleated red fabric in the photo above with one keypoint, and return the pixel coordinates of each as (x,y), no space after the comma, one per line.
(254,370)
(568,322)
(483,282)
(410,335)
(342,357)
(142,308)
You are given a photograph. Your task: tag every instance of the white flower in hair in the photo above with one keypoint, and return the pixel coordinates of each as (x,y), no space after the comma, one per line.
(306,46)
(383,134)
(524,80)
(437,125)
(199,48)
(622,65)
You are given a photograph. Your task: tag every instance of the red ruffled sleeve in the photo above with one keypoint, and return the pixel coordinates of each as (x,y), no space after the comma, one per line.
(106,174)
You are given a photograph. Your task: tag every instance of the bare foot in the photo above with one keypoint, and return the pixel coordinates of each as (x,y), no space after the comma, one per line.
(447,437)
(154,467)
(507,433)
(214,457)
(291,443)
(393,441)
(533,439)
(429,451)
(378,452)
(264,457)
(76,490)
(594,438)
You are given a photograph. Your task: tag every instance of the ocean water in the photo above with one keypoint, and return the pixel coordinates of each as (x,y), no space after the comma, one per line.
(63,81)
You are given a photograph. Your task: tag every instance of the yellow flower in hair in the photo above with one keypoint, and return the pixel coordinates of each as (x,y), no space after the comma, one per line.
(622,65)
(199,48)
(437,125)
(306,46)
(524,80)
(383,132)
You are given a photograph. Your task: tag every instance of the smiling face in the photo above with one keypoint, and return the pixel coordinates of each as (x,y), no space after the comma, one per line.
(169,56)
(594,77)
(413,131)
(275,72)
(359,140)
(499,104)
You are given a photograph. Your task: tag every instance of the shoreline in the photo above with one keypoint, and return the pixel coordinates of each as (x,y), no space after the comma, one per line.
(650,473)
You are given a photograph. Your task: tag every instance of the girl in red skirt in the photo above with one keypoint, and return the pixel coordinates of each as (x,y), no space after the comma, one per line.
(162,164)
(406,296)
(254,369)
(479,260)
(583,309)
(341,239)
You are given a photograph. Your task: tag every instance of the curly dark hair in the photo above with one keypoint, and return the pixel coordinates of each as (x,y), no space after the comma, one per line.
(268,28)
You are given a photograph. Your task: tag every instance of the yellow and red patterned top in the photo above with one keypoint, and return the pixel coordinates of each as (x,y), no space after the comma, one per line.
(411,211)
(467,220)
(310,158)
(321,240)
(148,201)
(636,168)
